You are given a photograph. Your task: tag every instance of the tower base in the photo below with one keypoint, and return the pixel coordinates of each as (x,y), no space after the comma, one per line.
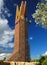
(17,57)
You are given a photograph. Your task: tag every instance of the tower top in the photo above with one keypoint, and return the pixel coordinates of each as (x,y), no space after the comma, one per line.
(20,13)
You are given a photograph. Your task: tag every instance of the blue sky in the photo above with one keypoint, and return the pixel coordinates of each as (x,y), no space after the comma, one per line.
(37,36)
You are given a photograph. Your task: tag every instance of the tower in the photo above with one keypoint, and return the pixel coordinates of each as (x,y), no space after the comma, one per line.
(21,46)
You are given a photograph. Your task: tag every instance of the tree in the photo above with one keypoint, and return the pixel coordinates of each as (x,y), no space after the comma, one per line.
(42,58)
(4,58)
(35,60)
(40,14)
(45,62)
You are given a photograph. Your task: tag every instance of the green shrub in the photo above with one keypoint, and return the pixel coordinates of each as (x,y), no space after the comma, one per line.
(44,62)
(42,58)
(4,59)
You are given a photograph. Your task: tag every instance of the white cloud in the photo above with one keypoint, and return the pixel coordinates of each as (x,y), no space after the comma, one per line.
(30,21)
(11,45)
(31,38)
(6,33)
(9,14)
(3,10)
(3,55)
(1,4)
(15,4)
(2,22)
(44,54)
(5,51)
(9,32)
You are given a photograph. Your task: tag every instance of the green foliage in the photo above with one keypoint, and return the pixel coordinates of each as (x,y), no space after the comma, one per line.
(42,58)
(40,14)
(4,59)
(35,60)
(45,62)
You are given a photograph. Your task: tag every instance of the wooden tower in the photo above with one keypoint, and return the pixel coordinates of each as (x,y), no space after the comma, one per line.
(21,47)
